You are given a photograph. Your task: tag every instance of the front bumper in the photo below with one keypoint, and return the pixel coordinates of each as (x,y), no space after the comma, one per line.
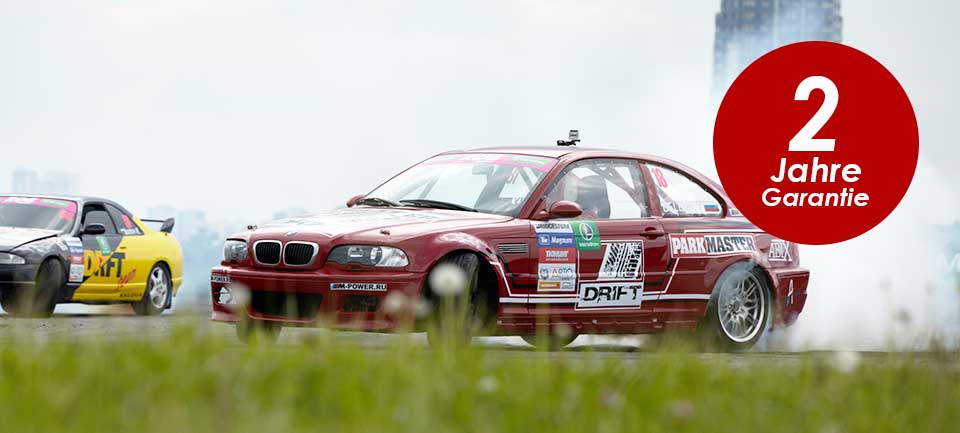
(339,299)
(18,275)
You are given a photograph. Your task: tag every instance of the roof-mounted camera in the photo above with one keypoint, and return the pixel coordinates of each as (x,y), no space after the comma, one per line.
(574,139)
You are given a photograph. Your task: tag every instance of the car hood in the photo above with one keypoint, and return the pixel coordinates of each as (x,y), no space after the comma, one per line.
(12,237)
(402,222)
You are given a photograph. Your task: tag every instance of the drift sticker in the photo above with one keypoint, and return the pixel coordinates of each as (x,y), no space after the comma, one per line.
(587,235)
(610,295)
(622,261)
(369,287)
(562,277)
(779,251)
(698,245)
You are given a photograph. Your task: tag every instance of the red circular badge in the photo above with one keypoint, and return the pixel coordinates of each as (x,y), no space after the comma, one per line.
(816,142)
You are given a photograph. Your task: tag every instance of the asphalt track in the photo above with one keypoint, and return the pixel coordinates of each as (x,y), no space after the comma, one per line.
(81,323)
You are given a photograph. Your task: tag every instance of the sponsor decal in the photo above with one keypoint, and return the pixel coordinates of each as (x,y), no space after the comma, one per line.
(557,277)
(555,240)
(218,278)
(126,279)
(75,245)
(61,244)
(587,235)
(553,227)
(369,287)
(610,295)
(76,273)
(102,265)
(126,221)
(711,208)
(735,212)
(779,251)
(76,260)
(129,232)
(532,162)
(622,261)
(558,255)
(703,245)
(104,245)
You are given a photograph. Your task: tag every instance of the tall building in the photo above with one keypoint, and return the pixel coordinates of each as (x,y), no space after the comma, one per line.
(748,29)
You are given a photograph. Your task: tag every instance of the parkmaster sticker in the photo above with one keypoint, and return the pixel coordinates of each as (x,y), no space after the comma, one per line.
(703,245)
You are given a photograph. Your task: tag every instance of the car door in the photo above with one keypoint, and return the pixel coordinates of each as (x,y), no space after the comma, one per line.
(139,256)
(606,260)
(702,243)
(104,262)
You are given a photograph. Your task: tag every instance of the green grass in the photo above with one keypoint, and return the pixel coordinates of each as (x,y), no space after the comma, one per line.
(196,381)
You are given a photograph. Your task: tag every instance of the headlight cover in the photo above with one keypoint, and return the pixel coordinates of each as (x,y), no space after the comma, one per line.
(11,259)
(369,255)
(234,251)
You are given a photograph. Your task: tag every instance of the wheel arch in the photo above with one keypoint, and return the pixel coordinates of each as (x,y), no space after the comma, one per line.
(488,279)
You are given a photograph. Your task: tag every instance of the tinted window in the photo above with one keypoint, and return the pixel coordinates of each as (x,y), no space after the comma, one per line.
(96,214)
(680,196)
(604,188)
(125,224)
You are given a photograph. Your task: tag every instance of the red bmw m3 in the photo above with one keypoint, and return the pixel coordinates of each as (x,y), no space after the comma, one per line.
(533,240)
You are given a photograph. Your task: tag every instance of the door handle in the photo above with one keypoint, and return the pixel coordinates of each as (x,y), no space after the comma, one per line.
(653,233)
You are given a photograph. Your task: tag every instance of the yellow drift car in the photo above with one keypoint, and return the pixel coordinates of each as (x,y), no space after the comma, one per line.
(81,249)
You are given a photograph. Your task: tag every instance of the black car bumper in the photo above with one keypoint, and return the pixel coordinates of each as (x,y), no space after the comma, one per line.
(18,275)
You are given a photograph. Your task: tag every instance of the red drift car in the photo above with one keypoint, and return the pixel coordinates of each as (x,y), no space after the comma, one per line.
(551,241)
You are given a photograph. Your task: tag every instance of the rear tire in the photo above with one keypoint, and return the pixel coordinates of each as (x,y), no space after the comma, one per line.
(739,311)
(156,295)
(550,342)
(39,300)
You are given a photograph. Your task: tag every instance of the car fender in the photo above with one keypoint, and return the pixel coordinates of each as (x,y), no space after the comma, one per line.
(442,245)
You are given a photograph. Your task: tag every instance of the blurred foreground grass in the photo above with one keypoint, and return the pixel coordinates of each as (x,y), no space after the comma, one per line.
(193,381)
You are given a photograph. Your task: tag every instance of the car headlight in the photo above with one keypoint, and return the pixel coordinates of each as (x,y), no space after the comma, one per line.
(370,255)
(234,251)
(11,259)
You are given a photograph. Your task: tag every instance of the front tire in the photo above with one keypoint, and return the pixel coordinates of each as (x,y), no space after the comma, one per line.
(39,300)
(456,301)
(157,293)
(739,311)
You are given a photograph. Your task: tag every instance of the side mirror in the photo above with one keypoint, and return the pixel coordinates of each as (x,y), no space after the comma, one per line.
(93,229)
(353,200)
(167,226)
(565,209)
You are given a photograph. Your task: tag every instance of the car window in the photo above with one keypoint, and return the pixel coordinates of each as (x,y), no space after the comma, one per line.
(97,214)
(680,196)
(125,224)
(604,188)
(487,182)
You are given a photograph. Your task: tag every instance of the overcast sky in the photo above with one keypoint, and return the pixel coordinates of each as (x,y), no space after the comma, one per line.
(242,107)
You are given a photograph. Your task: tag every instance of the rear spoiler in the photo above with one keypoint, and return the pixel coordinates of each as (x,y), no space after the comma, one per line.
(166,225)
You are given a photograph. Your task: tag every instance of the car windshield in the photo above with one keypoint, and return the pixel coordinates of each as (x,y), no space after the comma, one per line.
(37,213)
(485,182)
